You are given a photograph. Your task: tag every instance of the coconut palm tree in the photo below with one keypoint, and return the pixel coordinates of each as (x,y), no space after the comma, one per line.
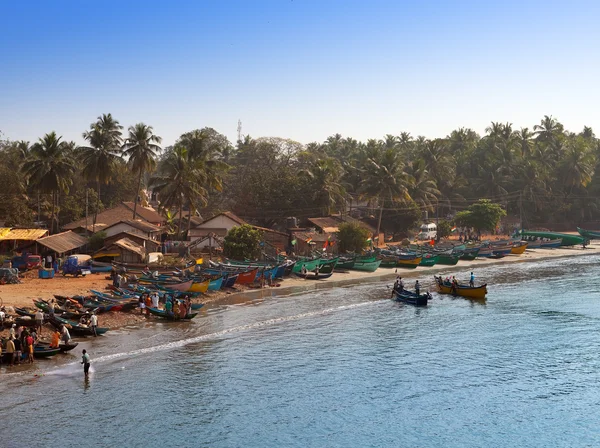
(384,179)
(100,158)
(548,130)
(49,168)
(326,177)
(178,181)
(141,147)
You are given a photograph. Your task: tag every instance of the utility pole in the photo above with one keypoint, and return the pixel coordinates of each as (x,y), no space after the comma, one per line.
(86,211)
(239,130)
(521,210)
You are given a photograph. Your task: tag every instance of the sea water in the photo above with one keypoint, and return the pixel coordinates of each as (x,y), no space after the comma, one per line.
(338,367)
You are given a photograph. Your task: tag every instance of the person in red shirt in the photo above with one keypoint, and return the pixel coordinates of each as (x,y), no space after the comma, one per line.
(29,341)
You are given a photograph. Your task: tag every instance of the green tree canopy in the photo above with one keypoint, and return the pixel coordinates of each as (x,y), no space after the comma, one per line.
(242,242)
(483,215)
(352,237)
(444,229)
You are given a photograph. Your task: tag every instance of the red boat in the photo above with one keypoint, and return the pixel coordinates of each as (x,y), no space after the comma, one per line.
(247,277)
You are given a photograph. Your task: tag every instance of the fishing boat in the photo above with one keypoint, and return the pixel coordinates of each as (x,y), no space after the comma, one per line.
(412,298)
(215,285)
(199,286)
(448,259)
(533,244)
(551,244)
(566,239)
(389,262)
(485,252)
(477,292)
(428,260)
(165,315)
(248,277)
(519,248)
(309,265)
(75,328)
(63,347)
(197,306)
(369,266)
(345,263)
(589,234)
(469,254)
(313,275)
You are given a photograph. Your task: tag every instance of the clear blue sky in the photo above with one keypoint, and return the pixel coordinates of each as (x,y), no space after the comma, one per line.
(297,69)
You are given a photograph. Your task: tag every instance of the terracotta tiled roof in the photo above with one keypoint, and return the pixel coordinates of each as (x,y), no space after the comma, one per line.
(330,224)
(63,242)
(142,225)
(121,212)
(233,217)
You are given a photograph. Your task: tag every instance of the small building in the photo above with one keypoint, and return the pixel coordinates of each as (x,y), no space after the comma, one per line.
(309,241)
(19,239)
(218,225)
(123,250)
(114,215)
(137,227)
(329,225)
(61,244)
(148,244)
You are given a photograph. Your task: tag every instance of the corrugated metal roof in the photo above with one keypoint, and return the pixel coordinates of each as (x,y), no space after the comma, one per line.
(25,234)
(63,242)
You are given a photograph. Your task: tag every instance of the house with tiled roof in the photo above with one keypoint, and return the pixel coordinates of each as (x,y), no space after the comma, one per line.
(114,215)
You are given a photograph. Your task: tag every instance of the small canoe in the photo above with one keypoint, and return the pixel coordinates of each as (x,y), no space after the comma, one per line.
(477,292)
(44,352)
(64,348)
(412,298)
(165,315)
(369,266)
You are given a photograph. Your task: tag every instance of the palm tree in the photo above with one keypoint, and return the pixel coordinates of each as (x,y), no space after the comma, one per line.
(548,130)
(140,148)
(178,181)
(103,153)
(384,179)
(49,168)
(422,188)
(327,189)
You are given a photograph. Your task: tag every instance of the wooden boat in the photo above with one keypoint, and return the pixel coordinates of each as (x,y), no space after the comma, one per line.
(164,315)
(197,306)
(230,280)
(345,263)
(412,298)
(388,262)
(63,347)
(428,260)
(469,254)
(448,259)
(215,285)
(199,286)
(370,266)
(533,244)
(551,244)
(248,277)
(308,264)
(589,234)
(485,252)
(566,239)
(409,261)
(518,248)
(75,328)
(477,292)
(324,273)
(40,351)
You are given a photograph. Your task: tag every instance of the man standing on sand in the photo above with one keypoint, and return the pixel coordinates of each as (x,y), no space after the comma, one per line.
(85,360)
(39,320)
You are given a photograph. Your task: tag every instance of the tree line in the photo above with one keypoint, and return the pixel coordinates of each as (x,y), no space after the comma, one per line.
(546,174)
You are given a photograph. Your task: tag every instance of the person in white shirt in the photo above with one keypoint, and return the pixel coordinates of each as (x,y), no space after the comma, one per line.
(49,261)
(94,323)
(39,320)
(154,300)
(66,337)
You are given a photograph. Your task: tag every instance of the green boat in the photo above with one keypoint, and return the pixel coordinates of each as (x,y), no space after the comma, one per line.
(389,262)
(370,266)
(366,259)
(470,255)
(310,265)
(329,261)
(589,234)
(448,259)
(345,263)
(567,239)
(428,260)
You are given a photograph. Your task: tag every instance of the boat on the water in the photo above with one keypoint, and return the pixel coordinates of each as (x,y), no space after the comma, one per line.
(170,316)
(476,292)
(411,297)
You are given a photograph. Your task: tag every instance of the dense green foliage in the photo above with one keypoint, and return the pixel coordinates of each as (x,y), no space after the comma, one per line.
(96,241)
(483,215)
(351,237)
(444,229)
(547,174)
(242,242)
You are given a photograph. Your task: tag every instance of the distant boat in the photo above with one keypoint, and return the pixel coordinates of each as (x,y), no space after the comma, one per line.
(589,234)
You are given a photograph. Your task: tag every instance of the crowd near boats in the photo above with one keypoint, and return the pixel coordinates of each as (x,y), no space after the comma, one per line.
(176,294)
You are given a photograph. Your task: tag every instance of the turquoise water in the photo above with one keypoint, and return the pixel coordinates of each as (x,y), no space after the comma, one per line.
(338,367)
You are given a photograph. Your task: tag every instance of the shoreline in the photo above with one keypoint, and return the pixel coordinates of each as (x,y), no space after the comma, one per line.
(32,288)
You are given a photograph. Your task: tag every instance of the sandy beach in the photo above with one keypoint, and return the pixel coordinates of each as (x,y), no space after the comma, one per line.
(22,294)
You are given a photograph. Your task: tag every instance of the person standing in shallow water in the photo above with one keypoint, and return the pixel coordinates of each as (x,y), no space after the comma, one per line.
(85,360)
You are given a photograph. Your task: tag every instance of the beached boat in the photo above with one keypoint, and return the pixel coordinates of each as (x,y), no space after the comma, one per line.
(551,244)
(477,292)
(75,328)
(215,285)
(199,286)
(412,298)
(567,239)
(389,262)
(197,306)
(533,244)
(409,261)
(345,263)
(245,278)
(63,347)
(448,259)
(428,260)
(485,252)
(165,315)
(370,266)
(518,248)
(589,234)
(308,264)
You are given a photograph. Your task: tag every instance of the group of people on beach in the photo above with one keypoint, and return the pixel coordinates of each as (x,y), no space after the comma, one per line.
(21,341)
(176,307)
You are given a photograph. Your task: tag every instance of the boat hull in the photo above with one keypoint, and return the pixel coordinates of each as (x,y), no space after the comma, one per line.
(477,292)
